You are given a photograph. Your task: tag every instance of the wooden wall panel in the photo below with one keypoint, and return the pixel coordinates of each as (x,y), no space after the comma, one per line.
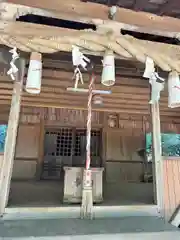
(122,161)
(114,146)
(123,145)
(118,172)
(28,141)
(24,170)
(171,186)
(52,116)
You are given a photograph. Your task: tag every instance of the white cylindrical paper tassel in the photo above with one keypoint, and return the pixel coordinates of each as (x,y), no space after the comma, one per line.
(108,72)
(33,83)
(173,90)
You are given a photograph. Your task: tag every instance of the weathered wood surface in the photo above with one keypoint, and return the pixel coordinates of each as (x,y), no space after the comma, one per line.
(171,168)
(157,157)
(128,95)
(30,37)
(98,14)
(27,144)
(10,143)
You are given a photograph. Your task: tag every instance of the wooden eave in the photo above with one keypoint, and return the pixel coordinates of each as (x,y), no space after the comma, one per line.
(92,13)
(30,37)
(128,96)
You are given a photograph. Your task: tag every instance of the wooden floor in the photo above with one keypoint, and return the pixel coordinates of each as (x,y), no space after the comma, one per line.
(50,193)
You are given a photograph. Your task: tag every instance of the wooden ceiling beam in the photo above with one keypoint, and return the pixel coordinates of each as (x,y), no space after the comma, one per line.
(93,13)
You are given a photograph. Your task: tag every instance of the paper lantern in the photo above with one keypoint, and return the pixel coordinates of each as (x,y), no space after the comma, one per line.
(33,83)
(173,90)
(108,72)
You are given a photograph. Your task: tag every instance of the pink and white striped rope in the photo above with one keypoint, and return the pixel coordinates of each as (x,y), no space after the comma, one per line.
(89,119)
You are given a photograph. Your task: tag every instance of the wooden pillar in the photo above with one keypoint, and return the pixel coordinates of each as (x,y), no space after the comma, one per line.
(10,142)
(41,150)
(157,157)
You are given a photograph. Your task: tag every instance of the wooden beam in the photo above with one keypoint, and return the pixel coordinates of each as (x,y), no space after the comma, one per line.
(41,150)
(30,37)
(94,14)
(10,142)
(157,158)
(118,92)
(69,105)
(76,100)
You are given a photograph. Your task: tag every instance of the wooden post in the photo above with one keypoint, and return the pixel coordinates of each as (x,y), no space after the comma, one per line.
(157,157)
(41,150)
(10,142)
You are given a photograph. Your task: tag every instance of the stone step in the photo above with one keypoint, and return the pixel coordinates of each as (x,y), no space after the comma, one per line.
(119,228)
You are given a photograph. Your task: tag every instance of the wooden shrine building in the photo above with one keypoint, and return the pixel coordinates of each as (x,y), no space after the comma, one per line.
(45,133)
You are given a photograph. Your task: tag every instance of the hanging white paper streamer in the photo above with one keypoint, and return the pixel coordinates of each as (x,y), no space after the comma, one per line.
(13,69)
(153,76)
(149,68)
(156,88)
(173,90)
(78,60)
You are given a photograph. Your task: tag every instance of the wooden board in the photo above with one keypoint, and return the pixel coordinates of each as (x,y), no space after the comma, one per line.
(171,167)
(114,146)
(28,142)
(122,145)
(89,12)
